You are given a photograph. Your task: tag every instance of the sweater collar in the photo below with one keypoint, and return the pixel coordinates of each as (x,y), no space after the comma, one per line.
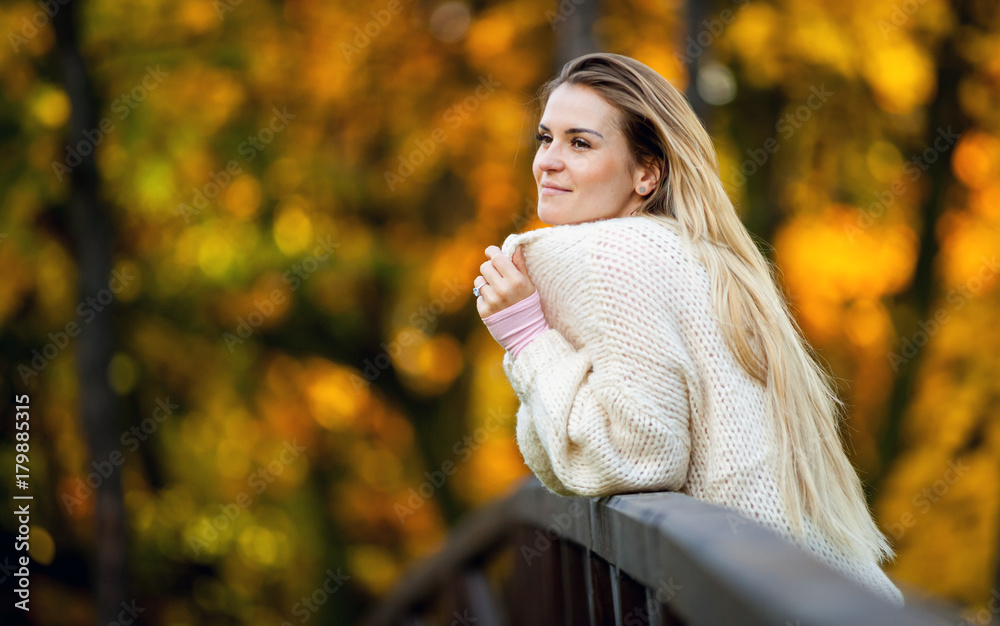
(515,239)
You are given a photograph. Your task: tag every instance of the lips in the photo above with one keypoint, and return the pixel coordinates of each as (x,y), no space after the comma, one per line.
(552,190)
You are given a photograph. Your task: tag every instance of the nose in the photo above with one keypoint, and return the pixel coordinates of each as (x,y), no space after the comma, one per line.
(549,158)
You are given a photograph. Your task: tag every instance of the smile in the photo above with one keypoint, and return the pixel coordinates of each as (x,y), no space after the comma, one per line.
(554,191)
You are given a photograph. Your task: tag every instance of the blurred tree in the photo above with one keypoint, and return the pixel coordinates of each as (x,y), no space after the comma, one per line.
(92,238)
(944,112)
(574,26)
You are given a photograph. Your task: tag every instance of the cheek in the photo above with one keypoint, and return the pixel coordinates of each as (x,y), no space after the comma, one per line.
(608,177)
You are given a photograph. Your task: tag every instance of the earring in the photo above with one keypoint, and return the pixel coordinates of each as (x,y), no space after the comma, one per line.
(642,190)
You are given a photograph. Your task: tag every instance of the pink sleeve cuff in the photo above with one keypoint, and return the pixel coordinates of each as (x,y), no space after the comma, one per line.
(517,325)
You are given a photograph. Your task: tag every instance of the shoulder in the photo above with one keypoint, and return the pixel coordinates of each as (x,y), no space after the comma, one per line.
(618,237)
(634,240)
(622,254)
(644,251)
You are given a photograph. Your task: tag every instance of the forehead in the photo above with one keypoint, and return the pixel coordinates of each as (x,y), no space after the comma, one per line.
(573,106)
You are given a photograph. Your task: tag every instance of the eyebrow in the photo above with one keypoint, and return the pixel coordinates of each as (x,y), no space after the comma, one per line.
(571,131)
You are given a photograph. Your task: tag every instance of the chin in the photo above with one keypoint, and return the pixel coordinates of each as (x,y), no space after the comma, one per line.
(560,213)
(547,215)
(554,216)
(555,220)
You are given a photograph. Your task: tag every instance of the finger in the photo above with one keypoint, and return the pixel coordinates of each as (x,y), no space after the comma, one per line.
(490,273)
(488,301)
(482,307)
(504,266)
(518,260)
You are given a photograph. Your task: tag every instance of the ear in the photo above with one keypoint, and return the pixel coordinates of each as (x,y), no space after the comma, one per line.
(647,176)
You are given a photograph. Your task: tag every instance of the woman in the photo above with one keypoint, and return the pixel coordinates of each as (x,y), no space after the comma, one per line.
(646,339)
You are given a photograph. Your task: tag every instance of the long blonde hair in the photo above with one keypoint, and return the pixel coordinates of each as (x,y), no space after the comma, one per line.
(815,475)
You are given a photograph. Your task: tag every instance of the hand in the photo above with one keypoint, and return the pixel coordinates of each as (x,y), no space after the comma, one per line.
(506,282)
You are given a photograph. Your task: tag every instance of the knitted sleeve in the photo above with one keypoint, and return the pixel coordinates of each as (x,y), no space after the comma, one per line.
(612,416)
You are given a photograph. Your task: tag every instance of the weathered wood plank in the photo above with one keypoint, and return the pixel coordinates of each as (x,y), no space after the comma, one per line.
(575,600)
(481,600)
(695,569)
(632,610)
(604,605)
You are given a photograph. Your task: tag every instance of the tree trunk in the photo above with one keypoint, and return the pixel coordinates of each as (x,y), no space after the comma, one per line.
(574,28)
(944,113)
(695,12)
(90,229)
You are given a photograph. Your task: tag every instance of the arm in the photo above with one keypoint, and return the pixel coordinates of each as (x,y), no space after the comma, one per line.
(518,325)
(617,421)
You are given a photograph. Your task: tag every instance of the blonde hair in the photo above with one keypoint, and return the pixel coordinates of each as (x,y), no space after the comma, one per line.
(815,475)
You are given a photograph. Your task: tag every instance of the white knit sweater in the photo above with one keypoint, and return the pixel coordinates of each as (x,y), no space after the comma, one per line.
(633,387)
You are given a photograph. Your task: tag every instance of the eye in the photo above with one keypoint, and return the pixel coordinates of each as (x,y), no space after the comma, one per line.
(542,138)
(580,142)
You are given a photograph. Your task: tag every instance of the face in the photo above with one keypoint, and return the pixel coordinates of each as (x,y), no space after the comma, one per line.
(582,168)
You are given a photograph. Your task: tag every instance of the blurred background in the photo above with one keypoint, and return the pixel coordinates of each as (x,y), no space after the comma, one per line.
(238,240)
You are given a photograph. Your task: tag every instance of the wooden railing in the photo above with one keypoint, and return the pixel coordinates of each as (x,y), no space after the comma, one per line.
(653,558)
